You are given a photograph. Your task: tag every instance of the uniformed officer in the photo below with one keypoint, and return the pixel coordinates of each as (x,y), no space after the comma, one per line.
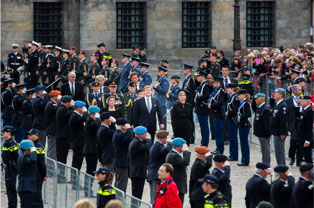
(47,65)
(66,65)
(214,67)
(143,55)
(172,94)
(146,77)
(164,63)
(114,70)
(15,63)
(32,65)
(279,125)
(102,53)
(75,62)
(41,175)
(56,68)
(17,116)
(244,126)
(213,198)
(26,166)
(201,103)
(9,156)
(161,87)
(135,63)
(281,189)
(105,192)
(27,121)
(302,193)
(123,76)
(82,70)
(93,68)
(216,107)
(41,55)
(6,101)
(136,51)
(95,97)
(257,188)
(294,74)
(128,100)
(261,125)
(113,92)
(245,81)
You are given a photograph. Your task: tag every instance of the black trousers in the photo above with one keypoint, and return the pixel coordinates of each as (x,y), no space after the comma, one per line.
(38,199)
(27,199)
(197,204)
(293,149)
(137,187)
(181,196)
(91,165)
(305,152)
(10,185)
(63,146)
(77,157)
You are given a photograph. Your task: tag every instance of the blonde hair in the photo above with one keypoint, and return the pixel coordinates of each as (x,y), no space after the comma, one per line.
(84,203)
(248,96)
(99,77)
(114,203)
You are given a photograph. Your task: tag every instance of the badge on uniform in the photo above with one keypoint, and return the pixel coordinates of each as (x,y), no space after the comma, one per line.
(257,117)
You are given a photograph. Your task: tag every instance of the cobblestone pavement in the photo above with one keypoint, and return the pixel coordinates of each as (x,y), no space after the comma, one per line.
(239,175)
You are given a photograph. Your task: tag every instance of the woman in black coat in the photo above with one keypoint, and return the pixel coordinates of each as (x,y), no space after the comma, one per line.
(112,108)
(182,118)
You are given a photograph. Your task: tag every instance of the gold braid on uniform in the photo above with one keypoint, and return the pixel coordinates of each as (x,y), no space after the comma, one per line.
(103,101)
(130,103)
(87,99)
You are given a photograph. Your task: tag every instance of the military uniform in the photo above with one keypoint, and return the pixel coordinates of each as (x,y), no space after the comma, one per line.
(6,102)
(17,116)
(27,121)
(281,192)
(102,56)
(83,67)
(93,69)
(257,190)
(9,156)
(65,69)
(96,99)
(147,79)
(173,95)
(15,61)
(128,100)
(214,69)
(75,62)
(56,62)
(302,194)
(189,87)
(232,109)
(32,68)
(47,60)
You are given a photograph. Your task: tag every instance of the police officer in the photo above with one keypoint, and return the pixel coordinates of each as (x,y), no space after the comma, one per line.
(102,53)
(26,165)
(136,51)
(15,63)
(161,87)
(279,125)
(128,100)
(9,156)
(123,76)
(216,107)
(213,198)
(281,189)
(95,97)
(32,65)
(146,77)
(17,116)
(41,176)
(6,101)
(105,192)
(27,121)
(245,81)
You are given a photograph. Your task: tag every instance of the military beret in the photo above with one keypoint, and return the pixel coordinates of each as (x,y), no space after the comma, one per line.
(280,90)
(185,66)
(125,55)
(54,93)
(132,84)
(8,81)
(113,84)
(35,43)
(295,71)
(218,79)
(264,204)
(83,52)
(14,45)
(8,129)
(93,109)
(106,59)
(162,134)
(73,47)
(121,121)
(30,91)
(58,48)
(19,86)
(232,85)
(165,61)
(208,179)
(201,149)
(136,46)
(175,76)
(262,166)
(39,88)
(116,61)
(134,58)
(299,79)
(33,131)
(201,61)
(95,84)
(95,54)
(66,98)
(79,104)
(65,51)
(306,167)
(305,97)
(104,115)
(259,95)
(140,130)
(214,54)
(143,64)
(242,91)
(281,168)
(162,68)
(102,170)
(26,144)
(220,158)
(178,141)
(201,73)
(101,44)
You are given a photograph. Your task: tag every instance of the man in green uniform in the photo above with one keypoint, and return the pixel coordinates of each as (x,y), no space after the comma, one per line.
(128,99)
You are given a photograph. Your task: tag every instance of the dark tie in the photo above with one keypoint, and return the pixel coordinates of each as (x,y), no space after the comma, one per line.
(226,82)
(72,89)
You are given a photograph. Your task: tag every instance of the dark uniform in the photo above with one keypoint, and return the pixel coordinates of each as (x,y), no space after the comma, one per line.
(47,60)
(281,193)
(257,190)
(65,69)
(75,62)
(103,56)
(119,100)
(245,82)
(147,79)
(9,156)
(17,116)
(302,194)
(27,121)
(15,61)
(96,99)
(232,109)
(56,62)
(32,68)
(105,193)
(224,181)
(93,69)
(128,100)
(6,105)
(216,199)
(83,67)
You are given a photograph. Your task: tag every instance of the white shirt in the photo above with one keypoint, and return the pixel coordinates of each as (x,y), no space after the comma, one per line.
(277,103)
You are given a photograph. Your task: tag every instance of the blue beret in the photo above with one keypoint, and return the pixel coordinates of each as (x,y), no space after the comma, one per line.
(262,166)
(178,141)
(140,130)
(79,104)
(33,131)
(26,144)
(306,167)
(281,168)
(93,109)
(280,90)
(259,95)
(39,88)
(8,129)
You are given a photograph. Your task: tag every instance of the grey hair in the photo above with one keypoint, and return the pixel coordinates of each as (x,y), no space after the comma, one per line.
(294,87)
(258,171)
(70,73)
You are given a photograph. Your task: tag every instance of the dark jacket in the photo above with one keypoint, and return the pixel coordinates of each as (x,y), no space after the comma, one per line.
(27,167)
(104,139)
(105,193)
(224,181)
(179,164)
(281,193)
(198,170)
(202,96)
(76,125)
(120,143)
(302,194)
(50,113)
(261,122)
(41,162)
(279,120)
(232,107)
(38,109)
(91,128)
(62,118)
(17,103)
(6,104)
(157,156)
(257,190)
(27,120)
(189,87)
(217,103)
(9,153)
(78,91)
(293,114)
(305,130)
(138,154)
(244,112)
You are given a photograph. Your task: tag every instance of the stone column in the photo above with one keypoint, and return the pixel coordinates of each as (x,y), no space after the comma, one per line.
(237,39)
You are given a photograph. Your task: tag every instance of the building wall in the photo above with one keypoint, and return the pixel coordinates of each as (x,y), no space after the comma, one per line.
(89,22)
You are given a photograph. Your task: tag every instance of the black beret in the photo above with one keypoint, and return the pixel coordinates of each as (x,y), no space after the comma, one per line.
(220,158)
(104,115)
(121,121)
(242,91)
(262,166)
(306,167)
(281,168)
(232,85)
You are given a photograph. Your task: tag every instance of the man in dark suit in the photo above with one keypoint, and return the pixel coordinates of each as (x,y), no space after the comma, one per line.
(302,193)
(257,188)
(144,112)
(226,78)
(73,88)
(138,154)
(157,156)
(179,164)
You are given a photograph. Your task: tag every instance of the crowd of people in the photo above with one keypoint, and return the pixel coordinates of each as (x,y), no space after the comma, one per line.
(108,115)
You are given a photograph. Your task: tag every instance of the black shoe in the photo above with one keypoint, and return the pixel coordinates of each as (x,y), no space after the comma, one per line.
(232,159)
(226,142)
(291,161)
(298,164)
(216,152)
(242,164)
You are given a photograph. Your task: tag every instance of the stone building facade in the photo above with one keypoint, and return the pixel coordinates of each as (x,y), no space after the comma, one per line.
(85,23)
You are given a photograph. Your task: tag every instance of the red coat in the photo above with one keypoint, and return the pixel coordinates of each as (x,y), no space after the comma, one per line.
(170,199)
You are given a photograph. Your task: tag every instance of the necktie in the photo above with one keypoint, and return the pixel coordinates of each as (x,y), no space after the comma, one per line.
(226,82)
(148,105)
(72,89)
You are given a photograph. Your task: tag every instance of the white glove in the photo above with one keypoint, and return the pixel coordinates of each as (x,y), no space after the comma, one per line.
(33,149)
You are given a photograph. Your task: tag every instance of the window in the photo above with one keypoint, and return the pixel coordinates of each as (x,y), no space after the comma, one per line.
(259,23)
(48,23)
(195,24)
(131,24)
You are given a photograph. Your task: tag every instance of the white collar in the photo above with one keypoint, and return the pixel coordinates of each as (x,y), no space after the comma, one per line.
(279,102)
(261,104)
(176,151)
(306,107)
